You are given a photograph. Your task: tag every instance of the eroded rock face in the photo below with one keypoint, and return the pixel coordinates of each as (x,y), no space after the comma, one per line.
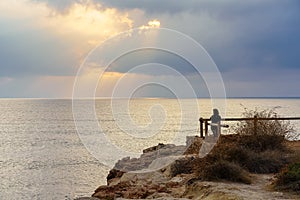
(144,177)
(193,145)
(113,176)
(143,162)
(141,186)
(135,178)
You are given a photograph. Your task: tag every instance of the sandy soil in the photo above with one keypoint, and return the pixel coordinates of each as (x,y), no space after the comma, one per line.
(258,190)
(294,145)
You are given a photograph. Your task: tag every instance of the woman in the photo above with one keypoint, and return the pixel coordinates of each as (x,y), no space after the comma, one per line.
(215,122)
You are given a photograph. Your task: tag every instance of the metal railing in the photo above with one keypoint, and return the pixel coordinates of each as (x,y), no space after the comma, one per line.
(205,122)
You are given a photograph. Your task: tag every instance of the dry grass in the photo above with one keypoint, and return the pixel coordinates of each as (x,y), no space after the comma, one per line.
(264,127)
(235,156)
(224,170)
(233,161)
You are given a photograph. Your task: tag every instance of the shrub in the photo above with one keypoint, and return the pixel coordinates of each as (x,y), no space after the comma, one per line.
(276,129)
(289,178)
(265,162)
(182,166)
(232,148)
(234,156)
(260,143)
(229,151)
(224,170)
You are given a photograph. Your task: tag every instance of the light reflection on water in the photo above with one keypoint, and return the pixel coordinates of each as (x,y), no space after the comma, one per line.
(42,157)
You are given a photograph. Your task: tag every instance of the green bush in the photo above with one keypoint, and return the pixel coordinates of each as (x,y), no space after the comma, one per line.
(289,178)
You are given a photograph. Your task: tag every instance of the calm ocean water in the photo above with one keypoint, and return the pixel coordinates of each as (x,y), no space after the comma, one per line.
(43,157)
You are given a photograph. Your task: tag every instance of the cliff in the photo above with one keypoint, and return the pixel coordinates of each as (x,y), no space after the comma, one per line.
(138,178)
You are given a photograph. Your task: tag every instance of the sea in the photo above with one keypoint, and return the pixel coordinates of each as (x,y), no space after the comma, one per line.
(58,149)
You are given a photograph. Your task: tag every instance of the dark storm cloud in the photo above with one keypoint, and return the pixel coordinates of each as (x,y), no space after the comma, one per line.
(140,57)
(59,5)
(153,6)
(268,38)
(249,33)
(252,42)
(224,9)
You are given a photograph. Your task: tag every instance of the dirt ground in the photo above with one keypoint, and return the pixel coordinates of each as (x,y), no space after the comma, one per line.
(294,145)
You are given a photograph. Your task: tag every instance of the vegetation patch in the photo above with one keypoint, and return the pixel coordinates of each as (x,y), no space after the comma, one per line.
(224,170)
(260,151)
(289,178)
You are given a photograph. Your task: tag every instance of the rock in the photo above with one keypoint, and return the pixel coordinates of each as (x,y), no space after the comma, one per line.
(114,176)
(150,176)
(182,165)
(154,148)
(206,190)
(111,192)
(160,153)
(160,195)
(168,172)
(162,162)
(193,144)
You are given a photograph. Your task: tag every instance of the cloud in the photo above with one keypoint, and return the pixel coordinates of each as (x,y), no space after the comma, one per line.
(37,87)
(34,53)
(262,82)
(50,38)
(222,9)
(144,56)
(37,42)
(61,6)
(250,33)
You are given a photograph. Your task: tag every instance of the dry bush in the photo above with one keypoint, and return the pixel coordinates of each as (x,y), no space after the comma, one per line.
(182,166)
(232,149)
(224,170)
(276,128)
(260,142)
(266,162)
(231,160)
(234,156)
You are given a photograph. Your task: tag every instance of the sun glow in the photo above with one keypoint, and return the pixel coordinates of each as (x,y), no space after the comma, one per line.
(90,21)
(151,24)
(154,23)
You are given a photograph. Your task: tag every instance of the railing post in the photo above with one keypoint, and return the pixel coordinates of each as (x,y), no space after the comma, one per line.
(206,128)
(255,124)
(201,127)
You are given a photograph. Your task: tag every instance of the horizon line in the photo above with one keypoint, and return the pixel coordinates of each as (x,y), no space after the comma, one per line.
(86,98)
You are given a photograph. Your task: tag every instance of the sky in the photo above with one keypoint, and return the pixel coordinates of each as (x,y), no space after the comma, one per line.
(255,44)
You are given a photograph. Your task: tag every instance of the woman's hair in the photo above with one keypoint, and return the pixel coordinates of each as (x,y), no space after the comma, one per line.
(216,111)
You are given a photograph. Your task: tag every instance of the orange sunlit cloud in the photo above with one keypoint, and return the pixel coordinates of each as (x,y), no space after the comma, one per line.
(88,25)
(151,24)
(81,27)
(84,25)
(154,23)
(89,21)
